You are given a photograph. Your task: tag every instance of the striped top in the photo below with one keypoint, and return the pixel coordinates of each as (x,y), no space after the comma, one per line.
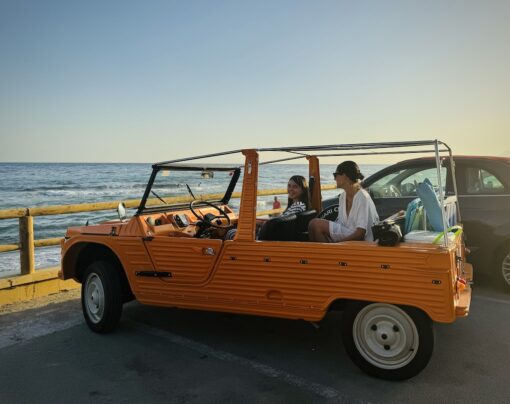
(294,208)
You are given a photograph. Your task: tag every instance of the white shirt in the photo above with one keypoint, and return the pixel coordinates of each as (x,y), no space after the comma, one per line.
(363,215)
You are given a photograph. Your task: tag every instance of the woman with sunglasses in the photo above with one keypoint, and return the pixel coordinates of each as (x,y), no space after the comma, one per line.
(356,210)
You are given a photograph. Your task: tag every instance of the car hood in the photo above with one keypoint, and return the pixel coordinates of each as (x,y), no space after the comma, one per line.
(107,228)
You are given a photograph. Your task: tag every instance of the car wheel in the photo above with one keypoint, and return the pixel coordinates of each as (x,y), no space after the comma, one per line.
(387,341)
(504,267)
(101,297)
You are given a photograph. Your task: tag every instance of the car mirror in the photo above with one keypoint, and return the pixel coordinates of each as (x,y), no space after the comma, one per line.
(121,210)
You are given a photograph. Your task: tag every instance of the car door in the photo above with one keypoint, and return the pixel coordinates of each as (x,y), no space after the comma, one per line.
(189,260)
(484,199)
(395,187)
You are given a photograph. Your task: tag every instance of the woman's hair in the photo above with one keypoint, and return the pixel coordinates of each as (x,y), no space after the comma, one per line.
(350,169)
(303,184)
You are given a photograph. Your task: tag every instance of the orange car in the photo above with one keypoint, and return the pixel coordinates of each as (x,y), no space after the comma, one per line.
(177,255)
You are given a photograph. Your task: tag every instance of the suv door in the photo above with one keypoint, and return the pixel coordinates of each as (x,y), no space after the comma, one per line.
(393,188)
(484,199)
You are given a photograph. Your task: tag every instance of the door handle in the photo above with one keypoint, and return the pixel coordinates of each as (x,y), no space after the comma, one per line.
(208,251)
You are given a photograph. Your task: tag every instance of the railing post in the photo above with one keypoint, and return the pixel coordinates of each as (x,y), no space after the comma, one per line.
(26,245)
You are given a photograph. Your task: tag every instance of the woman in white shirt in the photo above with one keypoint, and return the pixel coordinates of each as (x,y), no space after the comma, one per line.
(356,210)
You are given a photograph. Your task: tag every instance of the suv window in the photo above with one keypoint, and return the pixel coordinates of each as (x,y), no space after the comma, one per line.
(403,182)
(481,181)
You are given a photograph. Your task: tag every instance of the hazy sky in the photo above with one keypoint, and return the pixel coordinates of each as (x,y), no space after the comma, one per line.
(145,81)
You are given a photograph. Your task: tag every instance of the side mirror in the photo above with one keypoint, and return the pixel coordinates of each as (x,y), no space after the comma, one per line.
(121,210)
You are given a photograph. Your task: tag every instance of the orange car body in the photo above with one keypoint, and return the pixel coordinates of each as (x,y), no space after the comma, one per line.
(288,279)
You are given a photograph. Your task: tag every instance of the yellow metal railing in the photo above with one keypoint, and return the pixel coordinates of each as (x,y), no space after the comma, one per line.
(27,244)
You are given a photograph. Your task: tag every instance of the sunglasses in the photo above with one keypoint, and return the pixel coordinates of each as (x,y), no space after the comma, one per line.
(335,174)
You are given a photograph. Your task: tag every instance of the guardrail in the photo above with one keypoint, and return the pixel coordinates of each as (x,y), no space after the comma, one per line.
(27,244)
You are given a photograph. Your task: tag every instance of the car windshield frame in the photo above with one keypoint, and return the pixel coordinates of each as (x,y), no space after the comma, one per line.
(156,168)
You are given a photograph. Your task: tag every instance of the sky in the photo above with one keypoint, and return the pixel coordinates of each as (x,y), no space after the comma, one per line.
(146,81)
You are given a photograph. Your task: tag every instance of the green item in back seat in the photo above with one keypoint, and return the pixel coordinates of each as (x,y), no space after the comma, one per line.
(411,213)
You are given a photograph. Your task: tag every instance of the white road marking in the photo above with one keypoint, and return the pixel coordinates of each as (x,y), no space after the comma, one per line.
(266,370)
(46,322)
(491,299)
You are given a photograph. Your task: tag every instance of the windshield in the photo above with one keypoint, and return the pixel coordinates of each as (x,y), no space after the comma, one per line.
(175,186)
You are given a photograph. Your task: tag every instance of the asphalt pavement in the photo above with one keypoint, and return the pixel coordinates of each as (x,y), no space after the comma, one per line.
(162,355)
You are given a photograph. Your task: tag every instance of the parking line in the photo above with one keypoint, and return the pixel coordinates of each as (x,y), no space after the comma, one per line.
(492,299)
(269,371)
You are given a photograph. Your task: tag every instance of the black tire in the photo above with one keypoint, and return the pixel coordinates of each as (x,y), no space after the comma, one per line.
(387,341)
(503,263)
(101,297)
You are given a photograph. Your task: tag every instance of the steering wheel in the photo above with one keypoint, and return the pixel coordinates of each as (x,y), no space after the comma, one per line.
(408,189)
(393,191)
(208,220)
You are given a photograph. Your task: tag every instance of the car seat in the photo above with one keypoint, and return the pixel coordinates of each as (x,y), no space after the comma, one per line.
(287,227)
(302,221)
(424,216)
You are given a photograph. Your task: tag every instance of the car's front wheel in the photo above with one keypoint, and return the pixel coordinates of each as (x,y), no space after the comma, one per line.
(101,296)
(504,267)
(387,341)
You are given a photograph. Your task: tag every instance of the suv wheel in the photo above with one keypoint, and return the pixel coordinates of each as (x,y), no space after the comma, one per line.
(504,267)
(101,297)
(387,341)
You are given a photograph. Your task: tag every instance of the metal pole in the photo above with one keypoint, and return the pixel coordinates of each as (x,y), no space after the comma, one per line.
(441,194)
(454,181)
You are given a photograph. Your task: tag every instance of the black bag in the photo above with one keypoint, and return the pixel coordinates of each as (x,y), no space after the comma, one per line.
(387,233)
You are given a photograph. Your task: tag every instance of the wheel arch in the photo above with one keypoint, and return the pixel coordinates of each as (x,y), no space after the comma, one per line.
(339,304)
(503,246)
(82,254)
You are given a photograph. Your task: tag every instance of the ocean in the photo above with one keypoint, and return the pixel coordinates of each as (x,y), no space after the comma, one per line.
(25,185)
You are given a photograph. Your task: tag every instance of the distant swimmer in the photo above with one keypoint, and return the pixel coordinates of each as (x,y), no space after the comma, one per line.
(276,203)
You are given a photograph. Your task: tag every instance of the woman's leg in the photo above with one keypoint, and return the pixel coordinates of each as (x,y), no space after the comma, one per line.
(318,230)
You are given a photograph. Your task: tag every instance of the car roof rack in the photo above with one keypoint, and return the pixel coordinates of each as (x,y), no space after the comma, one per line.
(320,150)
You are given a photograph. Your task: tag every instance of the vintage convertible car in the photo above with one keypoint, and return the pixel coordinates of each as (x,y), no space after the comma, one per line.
(175,252)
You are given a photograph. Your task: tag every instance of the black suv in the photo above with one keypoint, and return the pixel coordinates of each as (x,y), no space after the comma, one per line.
(484,199)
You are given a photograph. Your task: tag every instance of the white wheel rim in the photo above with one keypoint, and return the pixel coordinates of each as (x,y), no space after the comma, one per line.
(385,336)
(94,298)
(505,268)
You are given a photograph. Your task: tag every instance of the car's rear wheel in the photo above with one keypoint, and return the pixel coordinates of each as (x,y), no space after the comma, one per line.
(387,341)
(101,296)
